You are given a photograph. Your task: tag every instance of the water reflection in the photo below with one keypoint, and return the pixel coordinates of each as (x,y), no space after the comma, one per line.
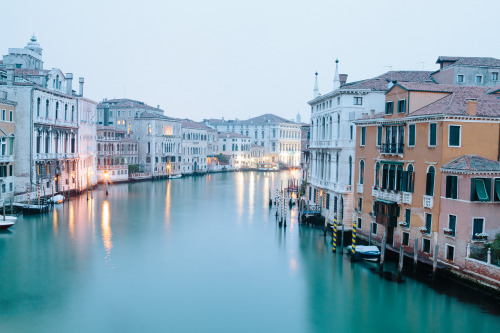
(106,229)
(167,205)
(72,221)
(251,196)
(240,191)
(55,223)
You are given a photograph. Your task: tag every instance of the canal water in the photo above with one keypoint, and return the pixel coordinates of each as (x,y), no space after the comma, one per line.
(205,254)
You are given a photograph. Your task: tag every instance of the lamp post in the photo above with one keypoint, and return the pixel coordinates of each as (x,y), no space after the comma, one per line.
(106,179)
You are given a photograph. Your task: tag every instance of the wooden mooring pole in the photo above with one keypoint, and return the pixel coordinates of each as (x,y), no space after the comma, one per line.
(415,256)
(401,261)
(434,261)
(382,256)
(342,241)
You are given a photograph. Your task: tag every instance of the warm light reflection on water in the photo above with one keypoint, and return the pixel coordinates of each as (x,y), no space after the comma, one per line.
(240,189)
(167,205)
(251,196)
(55,223)
(71,221)
(106,229)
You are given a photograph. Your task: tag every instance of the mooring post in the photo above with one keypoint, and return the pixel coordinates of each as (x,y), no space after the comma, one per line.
(370,235)
(342,241)
(4,210)
(415,256)
(401,260)
(382,256)
(435,260)
(334,234)
(353,242)
(11,206)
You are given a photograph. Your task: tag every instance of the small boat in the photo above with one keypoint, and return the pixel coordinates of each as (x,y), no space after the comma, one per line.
(31,209)
(8,218)
(365,252)
(175,176)
(58,198)
(6,224)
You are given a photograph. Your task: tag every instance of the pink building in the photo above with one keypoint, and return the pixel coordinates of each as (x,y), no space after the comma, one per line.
(470,215)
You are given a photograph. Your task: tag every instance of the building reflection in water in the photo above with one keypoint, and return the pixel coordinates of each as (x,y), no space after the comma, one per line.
(167,205)
(106,229)
(240,188)
(55,223)
(71,221)
(251,197)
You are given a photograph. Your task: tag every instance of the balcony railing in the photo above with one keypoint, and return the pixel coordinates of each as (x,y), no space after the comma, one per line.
(391,148)
(384,194)
(428,201)
(407,196)
(6,158)
(359,188)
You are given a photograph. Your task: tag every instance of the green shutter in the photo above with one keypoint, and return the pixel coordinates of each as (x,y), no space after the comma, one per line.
(379,135)
(363,136)
(11,146)
(497,189)
(452,224)
(412,135)
(482,194)
(429,186)
(404,181)
(454,136)
(448,186)
(454,187)
(432,134)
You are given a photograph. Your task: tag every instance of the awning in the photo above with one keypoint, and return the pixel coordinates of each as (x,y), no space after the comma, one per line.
(482,195)
(391,162)
(386,201)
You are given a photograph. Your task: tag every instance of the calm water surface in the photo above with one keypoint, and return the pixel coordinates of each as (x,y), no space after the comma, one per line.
(205,254)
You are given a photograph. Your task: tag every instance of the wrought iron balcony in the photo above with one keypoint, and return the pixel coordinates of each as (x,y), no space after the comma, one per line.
(391,148)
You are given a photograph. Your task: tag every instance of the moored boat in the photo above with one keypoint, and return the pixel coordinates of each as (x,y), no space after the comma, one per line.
(175,176)
(365,252)
(6,224)
(58,198)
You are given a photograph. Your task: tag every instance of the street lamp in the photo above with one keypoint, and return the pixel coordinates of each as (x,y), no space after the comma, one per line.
(106,179)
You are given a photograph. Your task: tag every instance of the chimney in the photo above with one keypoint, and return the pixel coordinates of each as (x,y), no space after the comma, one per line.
(372,113)
(10,74)
(158,106)
(81,81)
(343,78)
(471,106)
(69,83)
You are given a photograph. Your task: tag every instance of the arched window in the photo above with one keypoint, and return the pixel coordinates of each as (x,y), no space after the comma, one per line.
(361,171)
(350,170)
(429,185)
(66,112)
(399,177)
(73,113)
(377,174)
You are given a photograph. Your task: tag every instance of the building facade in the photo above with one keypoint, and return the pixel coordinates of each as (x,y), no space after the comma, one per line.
(195,137)
(7,144)
(237,146)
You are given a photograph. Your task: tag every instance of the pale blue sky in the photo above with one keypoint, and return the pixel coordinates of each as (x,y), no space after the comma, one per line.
(202,59)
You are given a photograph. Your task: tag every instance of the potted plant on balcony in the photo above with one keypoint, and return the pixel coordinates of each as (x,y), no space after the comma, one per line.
(423,230)
(481,236)
(448,231)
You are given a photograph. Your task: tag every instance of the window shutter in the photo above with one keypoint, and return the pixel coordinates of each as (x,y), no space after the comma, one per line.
(404,181)
(497,189)
(449,180)
(429,186)
(412,135)
(454,136)
(433,138)
(482,194)
(454,187)
(453,222)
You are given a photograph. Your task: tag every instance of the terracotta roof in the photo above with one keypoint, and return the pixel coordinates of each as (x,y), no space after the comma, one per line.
(488,105)
(188,123)
(121,103)
(28,72)
(380,83)
(154,115)
(472,163)
(431,87)
(470,61)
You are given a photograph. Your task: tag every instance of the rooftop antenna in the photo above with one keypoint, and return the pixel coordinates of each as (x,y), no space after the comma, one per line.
(423,65)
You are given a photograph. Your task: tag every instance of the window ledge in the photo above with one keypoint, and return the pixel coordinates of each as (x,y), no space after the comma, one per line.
(450,236)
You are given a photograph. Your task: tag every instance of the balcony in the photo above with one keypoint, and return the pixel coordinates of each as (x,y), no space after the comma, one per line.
(6,158)
(391,148)
(428,201)
(407,196)
(383,194)
(359,188)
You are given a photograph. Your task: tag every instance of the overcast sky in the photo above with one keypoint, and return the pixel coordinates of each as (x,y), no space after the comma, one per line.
(230,58)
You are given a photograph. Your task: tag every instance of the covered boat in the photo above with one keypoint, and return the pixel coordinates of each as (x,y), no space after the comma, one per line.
(365,252)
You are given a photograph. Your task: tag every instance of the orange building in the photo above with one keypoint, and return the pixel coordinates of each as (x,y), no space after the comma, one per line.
(400,153)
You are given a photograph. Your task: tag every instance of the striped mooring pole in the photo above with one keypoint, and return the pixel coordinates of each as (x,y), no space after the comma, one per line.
(334,236)
(353,246)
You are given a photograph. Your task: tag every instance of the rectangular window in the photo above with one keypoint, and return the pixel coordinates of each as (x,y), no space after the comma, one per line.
(452,187)
(454,136)
(11,115)
(450,252)
(432,134)
(379,135)
(406,238)
(408,217)
(494,76)
(389,107)
(480,189)
(358,100)
(360,204)
(411,135)
(360,223)
(426,245)
(363,136)
(477,227)
(496,194)
(401,106)
(460,78)
(479,79)
(327,201)
(352,131)
(3,115)
(452,224)
(374,228)
(428,223)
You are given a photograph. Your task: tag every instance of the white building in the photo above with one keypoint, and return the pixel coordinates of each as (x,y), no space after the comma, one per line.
(194,146)
(238,147)
(159,140)
(279,136)
(332,143)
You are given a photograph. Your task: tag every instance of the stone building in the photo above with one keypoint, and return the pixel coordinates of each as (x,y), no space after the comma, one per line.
(121,112)
(333,143)
(159,140)
(49,113)
(279,136)
(7,143)
(238,147)
(194,146)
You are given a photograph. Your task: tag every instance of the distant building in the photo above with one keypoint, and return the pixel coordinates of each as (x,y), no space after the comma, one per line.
(237,146)
(258,155)
(121,112)
(7,143)
(467,71)
(305,152)
(195,137)
(279,136)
